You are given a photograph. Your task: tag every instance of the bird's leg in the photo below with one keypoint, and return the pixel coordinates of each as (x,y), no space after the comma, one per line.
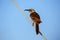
(33,24)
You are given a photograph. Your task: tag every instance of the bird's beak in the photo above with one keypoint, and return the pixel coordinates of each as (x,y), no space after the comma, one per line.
(26,10)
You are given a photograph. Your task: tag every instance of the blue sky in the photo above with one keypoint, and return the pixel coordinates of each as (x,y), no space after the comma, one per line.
(14,26)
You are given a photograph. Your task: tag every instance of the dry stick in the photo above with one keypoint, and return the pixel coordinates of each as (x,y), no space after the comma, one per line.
(44,38)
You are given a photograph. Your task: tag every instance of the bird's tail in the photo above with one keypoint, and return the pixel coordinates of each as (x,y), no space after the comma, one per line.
(38,32)
(37,28)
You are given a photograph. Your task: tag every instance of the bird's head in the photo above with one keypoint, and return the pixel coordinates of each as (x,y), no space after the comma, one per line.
(30,10)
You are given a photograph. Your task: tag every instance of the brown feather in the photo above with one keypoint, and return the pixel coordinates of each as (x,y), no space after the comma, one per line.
(37,28)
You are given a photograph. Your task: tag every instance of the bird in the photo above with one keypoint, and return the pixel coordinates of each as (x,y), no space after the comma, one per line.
(35,18)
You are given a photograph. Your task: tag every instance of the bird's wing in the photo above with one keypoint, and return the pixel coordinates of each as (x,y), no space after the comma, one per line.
(35,17)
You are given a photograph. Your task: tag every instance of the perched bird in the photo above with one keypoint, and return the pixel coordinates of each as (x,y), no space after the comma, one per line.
(35,18)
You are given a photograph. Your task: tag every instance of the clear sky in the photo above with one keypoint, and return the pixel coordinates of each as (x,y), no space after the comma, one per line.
(14,26)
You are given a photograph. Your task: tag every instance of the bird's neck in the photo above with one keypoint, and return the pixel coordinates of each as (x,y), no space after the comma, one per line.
(31,12)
